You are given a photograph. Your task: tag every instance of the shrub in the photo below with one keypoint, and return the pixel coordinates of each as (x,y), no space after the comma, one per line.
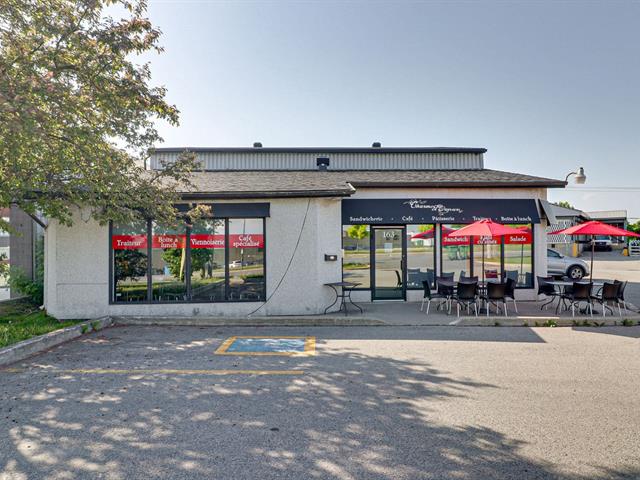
(550,323)
(34,289)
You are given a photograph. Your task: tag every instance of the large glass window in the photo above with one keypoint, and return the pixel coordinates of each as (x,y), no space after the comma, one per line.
(356,257)
(168,264)
(212,260)
(455,253)
(420,255)
(246,259)
(518,256)
(486,251)
(208,260)
(129,244)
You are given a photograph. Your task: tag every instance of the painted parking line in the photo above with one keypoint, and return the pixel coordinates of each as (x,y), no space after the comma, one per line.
(151,371)
(295,346)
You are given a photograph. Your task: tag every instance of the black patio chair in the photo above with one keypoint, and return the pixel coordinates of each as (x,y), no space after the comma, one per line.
(512,274)
(468,279)
(466,295)
(547,290)
(623,286)
(445,290)
(447,275)
(608,294)
(496,295)
(580,292)
(510,291)
(398,278)
(428,296)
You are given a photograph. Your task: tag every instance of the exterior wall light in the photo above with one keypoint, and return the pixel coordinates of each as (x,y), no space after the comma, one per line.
(580,176)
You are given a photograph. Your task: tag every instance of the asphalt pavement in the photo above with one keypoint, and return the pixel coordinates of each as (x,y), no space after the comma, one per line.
(372,403)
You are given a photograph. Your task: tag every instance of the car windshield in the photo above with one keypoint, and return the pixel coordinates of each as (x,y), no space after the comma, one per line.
(602,237)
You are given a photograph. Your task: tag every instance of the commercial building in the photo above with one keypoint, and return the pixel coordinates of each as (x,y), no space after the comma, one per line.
(286,221)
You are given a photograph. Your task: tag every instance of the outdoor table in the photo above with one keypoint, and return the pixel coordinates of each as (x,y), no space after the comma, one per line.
(562,284)
(343,293)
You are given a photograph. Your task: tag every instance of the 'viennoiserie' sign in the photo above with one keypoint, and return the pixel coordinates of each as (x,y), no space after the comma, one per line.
(441,210)
(198,240)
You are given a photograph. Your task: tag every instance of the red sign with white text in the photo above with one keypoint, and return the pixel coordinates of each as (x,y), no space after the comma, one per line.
(169,240)
(205,240)
(247,240)
(129,242)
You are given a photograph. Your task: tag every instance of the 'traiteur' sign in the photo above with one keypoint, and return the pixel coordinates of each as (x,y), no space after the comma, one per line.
(427,210)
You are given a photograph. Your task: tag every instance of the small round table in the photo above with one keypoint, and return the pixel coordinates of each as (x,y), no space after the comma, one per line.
(343,293)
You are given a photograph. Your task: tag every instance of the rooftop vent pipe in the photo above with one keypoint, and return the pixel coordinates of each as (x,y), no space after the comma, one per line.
(376,145)
(257,144)
(322,163)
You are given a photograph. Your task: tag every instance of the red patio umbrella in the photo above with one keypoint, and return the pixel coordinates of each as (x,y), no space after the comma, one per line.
(594,228)
(485,228)
(430,232)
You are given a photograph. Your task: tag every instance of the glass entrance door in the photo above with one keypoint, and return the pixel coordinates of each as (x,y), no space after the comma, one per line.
(389,246)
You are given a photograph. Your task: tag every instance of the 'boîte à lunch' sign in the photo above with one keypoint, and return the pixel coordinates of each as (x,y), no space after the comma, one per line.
(198,240)
(440,210)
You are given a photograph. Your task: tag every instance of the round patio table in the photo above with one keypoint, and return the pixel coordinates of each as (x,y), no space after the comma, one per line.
(562,284)
(343,293)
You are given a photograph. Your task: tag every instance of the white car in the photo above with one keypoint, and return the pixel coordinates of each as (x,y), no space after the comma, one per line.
(564,265)
(235,264)
(603,242)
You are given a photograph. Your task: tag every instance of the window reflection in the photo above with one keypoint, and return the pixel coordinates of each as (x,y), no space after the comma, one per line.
(207,260)
(356,258)
(246,259)
(518,256)
(455,253)
(420,255)
(129,244)
(168,263)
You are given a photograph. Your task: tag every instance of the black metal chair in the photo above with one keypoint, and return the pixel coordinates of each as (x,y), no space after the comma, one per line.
(466,295)
(547,290)
(580,292)
(510,291)
(623,286)
(608,294)
(496,295)
(428,296)
(445,290)
(468,279)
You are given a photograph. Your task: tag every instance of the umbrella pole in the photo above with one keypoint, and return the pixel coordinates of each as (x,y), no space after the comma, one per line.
(593,247)
(483,262)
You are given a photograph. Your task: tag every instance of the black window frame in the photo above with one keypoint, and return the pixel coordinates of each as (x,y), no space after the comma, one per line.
(149,300)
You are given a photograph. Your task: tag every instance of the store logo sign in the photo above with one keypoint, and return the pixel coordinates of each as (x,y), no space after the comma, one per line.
(437,208)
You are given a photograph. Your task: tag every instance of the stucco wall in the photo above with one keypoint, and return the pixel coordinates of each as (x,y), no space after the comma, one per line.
(77,267)
(77,260)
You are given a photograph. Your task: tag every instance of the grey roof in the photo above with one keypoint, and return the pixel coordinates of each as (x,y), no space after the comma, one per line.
(314,183)
(608,214)
(560,211)
(320,149)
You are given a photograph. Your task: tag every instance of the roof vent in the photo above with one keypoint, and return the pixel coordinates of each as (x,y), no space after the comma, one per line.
(257,144)
(376,145)
(322,163)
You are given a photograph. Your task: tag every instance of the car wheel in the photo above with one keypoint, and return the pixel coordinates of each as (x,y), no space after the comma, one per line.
(576,272)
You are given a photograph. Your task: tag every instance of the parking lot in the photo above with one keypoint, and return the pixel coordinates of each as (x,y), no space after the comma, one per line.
(371,402)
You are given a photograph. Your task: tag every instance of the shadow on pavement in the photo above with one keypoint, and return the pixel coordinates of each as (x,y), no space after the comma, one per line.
(369,419)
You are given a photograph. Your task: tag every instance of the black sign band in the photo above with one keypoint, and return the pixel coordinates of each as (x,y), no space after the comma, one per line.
(439,210)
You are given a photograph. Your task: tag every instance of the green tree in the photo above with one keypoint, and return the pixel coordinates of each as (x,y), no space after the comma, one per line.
(130,264)
(358,232)
(77,114)
(175,262)
(565,204)
(634,227)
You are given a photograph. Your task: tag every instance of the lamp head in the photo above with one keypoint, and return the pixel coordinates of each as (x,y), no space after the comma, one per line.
(580,176)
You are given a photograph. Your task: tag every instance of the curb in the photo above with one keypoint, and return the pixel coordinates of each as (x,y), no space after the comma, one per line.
(33,346)
(301,321)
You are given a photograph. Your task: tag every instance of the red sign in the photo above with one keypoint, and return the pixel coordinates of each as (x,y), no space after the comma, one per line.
(523,238)
(204,240)
(248,240)
(169,240)
(129,242)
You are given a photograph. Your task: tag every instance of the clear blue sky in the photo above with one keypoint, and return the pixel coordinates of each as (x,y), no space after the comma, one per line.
(544,86)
